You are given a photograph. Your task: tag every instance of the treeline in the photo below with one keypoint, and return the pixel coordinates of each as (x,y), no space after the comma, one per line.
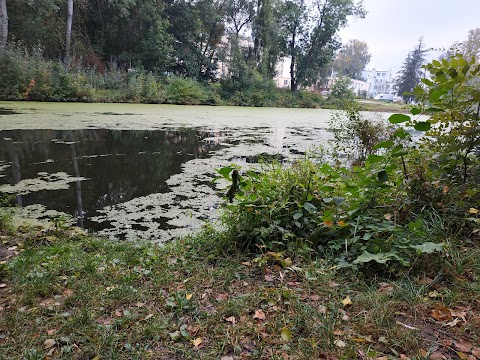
(145,49)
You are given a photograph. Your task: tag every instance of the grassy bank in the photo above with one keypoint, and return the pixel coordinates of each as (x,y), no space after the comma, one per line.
(69,296)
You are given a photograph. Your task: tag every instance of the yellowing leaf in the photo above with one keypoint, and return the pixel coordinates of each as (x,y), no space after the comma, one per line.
(286,334)
(188,296)
(347,301)
(473,211)
(197,342)
(328,223)
(259,314)
(49,343)
(387,217)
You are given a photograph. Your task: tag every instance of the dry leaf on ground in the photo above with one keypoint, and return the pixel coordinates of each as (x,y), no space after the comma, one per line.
(197,342)
(259,314)
(231,319)
(442,313)
(347,301)
(463,346)
(49,343)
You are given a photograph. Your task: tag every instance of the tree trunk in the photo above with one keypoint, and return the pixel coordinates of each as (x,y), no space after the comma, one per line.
(68,36)
(3,24)
(293,80)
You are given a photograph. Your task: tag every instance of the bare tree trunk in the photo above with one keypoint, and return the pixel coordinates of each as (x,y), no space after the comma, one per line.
(293,80)
(3,24)
(68,37)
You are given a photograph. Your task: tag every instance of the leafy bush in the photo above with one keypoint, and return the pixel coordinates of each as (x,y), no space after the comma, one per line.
(349,214)
(185,91)
(355,135)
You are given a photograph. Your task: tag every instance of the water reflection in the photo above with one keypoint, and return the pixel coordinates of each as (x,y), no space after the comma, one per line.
(118,166)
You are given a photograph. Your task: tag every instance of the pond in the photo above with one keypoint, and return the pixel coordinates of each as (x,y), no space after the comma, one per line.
(133,171)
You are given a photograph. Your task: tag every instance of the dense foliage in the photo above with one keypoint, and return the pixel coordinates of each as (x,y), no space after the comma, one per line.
(393,201)
(236,42)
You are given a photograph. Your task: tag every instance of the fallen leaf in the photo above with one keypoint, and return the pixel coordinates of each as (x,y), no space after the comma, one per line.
(172,260)
(434,294)
(425,281)
(473,211)
(231,319)
(49,343)
(453,323)
(3,285)
(246,263)
(139,304)
(314,297)
(347,301)
(118,313)
(188,296)
(463,346)
(322,309)
(286,334)
(339,332)
(442,313)
(147,317)
(476,352)
(105,321)
(226,358)
(259,314)
(437,356)
(385,287)
(268,277)
(67,293)
(51,331)
(387,217)
(339,343)
(197,342)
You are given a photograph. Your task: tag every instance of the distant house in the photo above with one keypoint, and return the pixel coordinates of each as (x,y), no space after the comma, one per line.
(381,82)
(283,78)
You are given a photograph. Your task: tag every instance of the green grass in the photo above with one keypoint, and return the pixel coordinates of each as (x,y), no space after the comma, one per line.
(100,299)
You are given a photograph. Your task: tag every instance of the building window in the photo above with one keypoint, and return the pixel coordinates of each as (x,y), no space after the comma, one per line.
(285,82)
(378,74)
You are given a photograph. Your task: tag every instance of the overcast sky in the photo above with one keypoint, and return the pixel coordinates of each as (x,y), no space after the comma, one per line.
(392,27)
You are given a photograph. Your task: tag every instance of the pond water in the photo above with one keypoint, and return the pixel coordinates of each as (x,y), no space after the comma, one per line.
(139,171)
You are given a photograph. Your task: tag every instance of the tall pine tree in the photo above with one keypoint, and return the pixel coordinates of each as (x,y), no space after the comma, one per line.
(411,72)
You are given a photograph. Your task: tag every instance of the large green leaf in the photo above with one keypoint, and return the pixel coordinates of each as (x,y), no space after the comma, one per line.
(429,247)
(398,118)
(372,158)
(383,176)
(423,126)
(380,258)
(309,207)
(384,144)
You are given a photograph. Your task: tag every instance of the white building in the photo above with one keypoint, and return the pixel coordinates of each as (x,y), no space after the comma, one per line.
(381,81)
(282,78)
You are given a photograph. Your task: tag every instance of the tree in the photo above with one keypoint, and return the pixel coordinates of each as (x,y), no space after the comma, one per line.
(352,59)
(468,48)
(3,24)
(68,32)
(309,35)
(411,72)
(452,93)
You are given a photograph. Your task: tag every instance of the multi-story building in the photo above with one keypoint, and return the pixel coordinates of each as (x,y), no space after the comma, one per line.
(381,81)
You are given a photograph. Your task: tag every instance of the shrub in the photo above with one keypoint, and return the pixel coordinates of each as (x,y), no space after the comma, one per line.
(185,91)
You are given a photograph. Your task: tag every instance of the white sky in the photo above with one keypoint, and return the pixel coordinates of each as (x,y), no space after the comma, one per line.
(392,27)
